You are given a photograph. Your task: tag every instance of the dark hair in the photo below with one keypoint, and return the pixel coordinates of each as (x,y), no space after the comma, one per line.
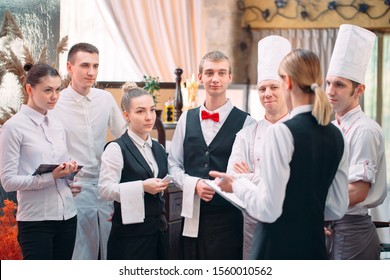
(355,84)
(37,71)
(130,91)
(81,47)
(215,56)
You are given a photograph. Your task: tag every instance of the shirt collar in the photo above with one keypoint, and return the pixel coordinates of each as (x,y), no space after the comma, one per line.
(349,117)
(78,97)
(223,111)
(35,116)
(301,109)
(282,119)
(138,140)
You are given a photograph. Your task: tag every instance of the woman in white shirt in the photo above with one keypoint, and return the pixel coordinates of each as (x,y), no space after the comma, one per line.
(46,213)
(303,173)
(129,176)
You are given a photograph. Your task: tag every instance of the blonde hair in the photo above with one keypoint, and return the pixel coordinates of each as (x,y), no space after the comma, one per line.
(215,56)
(303,66)
(130,90)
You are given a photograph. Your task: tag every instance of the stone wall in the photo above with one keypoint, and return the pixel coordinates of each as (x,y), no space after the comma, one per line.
(224,33)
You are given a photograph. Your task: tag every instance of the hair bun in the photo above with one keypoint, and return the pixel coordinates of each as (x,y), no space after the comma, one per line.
(128,86)
(27,67)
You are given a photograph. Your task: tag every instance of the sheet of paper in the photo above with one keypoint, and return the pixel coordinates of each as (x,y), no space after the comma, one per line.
(231,197)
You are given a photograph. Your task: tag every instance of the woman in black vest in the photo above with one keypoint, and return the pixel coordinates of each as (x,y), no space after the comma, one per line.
(304,170)
(130,172)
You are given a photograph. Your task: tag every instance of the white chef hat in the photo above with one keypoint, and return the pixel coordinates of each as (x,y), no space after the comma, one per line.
(351,53)
(271,50)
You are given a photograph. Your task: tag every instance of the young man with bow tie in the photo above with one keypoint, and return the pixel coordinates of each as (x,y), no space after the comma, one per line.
(202,142)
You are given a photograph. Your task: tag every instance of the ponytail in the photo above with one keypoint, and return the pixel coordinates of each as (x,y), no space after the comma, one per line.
(322,109)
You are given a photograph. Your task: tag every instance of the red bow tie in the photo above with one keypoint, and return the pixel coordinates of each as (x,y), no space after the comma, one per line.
(206,115)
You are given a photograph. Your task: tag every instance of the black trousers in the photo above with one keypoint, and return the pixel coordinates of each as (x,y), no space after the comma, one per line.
(220,236)
(47,240)
(148,247)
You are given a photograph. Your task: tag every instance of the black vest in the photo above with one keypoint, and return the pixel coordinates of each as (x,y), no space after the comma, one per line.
(199,158)
(299,232)
(136,168)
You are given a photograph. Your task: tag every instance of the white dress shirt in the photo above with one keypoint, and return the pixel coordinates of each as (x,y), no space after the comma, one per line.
(367,161)
(248,148)
(264,202)
(27,140)
(86,119)
(129,194)
(191,202)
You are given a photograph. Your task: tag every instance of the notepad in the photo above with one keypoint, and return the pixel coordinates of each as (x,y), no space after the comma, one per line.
(47,168)
(231,197)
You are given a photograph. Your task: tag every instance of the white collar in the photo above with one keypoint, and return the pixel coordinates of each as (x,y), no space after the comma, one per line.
(138,140)
(301,109)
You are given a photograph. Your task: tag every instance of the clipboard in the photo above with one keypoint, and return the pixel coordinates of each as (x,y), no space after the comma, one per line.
(231,197)
(47,168)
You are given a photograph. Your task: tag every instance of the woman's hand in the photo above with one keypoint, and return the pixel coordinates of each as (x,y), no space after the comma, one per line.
(223,180)
(64,169)
(154,185)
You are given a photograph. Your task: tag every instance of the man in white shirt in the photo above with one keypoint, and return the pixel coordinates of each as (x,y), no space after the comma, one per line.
(203,141)
(86,113)
(246,154)
(355,236)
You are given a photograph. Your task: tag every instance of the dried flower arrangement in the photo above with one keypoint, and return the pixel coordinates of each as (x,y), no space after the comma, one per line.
(10,249)
(11,63)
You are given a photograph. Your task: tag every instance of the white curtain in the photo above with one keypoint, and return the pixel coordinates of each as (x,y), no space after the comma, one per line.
(320,41)
(386,99)
(137,37)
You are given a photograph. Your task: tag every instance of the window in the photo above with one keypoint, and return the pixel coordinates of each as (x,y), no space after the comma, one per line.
(379,95)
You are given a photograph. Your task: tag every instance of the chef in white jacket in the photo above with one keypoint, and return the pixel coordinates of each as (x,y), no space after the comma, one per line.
(354,236)
(247,148)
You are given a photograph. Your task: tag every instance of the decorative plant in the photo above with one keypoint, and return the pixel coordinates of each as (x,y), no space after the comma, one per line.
(152,85)
(11,63)
(10,249)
